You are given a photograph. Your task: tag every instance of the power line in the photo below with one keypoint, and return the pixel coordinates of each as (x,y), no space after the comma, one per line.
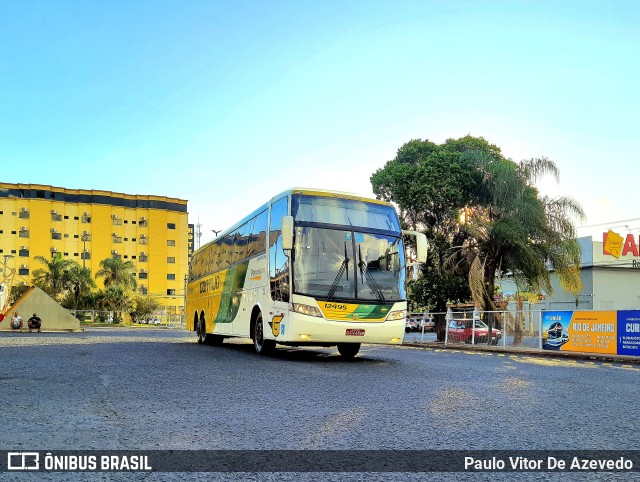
(609,223)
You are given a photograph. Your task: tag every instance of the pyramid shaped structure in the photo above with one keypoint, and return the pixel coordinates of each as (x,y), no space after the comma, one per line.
(54,317)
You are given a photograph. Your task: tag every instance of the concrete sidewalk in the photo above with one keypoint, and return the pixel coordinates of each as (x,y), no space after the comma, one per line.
(528,351)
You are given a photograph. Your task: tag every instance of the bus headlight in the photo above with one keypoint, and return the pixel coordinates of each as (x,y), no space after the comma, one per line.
(307,310)
(397,315)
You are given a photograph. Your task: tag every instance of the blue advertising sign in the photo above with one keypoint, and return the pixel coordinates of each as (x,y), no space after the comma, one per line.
(629,332)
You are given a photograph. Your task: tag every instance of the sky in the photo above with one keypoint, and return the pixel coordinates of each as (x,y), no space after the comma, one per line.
(226,103)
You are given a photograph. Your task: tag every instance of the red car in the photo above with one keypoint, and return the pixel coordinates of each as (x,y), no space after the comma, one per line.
(461,331)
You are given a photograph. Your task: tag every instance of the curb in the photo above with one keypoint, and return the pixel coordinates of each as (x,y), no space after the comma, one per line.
(530,352)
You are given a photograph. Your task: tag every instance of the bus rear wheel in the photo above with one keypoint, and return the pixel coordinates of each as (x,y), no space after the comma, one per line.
(262,346)
(201,332)
(348,350)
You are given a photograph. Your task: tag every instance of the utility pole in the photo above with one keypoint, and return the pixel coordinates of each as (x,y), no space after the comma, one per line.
(198,233)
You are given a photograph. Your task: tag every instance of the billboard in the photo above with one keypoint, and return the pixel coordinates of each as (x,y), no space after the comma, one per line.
(606,332)
(583,331)
(629,332)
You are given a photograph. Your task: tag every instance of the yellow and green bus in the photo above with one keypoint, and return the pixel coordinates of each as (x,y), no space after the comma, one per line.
(307,268)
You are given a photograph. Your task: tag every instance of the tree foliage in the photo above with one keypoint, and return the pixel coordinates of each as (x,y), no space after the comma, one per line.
(145,308)
(483,216)
(118,273)
(53,278)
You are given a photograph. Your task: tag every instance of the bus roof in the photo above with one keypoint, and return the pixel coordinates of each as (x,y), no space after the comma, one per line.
(296,190)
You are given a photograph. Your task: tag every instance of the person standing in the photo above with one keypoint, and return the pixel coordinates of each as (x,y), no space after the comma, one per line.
(34,323)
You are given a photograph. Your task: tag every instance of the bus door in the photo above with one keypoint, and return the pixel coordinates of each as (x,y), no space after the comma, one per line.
(278,270)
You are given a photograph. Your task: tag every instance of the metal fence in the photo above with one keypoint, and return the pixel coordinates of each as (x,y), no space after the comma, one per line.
(500,328)
(97,317)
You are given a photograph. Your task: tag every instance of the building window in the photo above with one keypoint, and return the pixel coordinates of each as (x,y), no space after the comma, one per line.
(143,290)
(171,259)
(23,271)
(85,255)
(56,235)
(24,252)
(171,276)
(56,217)
(116,238)
(143,240)
(24,233)
(143,275)
(86,218)
(171,292)
(171,242)
(24,214)
(171,225)
(143,258)
(143,223)
(116,221)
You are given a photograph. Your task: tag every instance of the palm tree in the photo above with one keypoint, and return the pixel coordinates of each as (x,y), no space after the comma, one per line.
(118,273)
(79,281)
(514,229)
(53,278)
(115,298)
(119,279)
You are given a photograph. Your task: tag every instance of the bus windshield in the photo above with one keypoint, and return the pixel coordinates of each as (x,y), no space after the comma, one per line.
(348,265)
(344,212)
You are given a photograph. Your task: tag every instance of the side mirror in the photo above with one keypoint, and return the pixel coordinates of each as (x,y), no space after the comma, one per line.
(421,245)
(287,233)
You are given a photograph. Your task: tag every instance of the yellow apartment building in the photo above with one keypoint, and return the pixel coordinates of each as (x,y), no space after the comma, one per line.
(88,226)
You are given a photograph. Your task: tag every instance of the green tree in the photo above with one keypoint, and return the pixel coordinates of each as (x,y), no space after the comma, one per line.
(482,216)
(114,298)
(513,228)
(116,272)
(431,184)
(145,307)
(79,283)
(119,279)
(53,278)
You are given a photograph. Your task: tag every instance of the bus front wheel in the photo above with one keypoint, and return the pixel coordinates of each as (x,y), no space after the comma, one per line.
(348,350)
(262,346)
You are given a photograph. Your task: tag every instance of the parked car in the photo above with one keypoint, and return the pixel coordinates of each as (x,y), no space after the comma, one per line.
(411,325)
(428,324)
(463,331)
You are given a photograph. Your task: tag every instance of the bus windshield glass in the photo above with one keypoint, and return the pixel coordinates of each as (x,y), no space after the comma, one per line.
(344,212)
(348,265)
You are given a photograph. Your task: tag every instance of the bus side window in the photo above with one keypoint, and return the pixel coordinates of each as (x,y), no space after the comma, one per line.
(259,233)
(278,262)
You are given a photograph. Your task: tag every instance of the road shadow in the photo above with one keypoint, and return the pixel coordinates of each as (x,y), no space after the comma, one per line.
(296,354)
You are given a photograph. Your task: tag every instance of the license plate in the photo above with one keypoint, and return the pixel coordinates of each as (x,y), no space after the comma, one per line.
(351,332)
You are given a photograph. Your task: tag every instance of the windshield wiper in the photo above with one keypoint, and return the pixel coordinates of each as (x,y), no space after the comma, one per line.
(343,267)
(362,266)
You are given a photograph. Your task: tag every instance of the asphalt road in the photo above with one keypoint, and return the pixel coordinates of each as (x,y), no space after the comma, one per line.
(153,389)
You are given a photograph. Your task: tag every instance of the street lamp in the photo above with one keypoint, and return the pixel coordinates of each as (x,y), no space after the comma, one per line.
(85,237)
(215,232)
